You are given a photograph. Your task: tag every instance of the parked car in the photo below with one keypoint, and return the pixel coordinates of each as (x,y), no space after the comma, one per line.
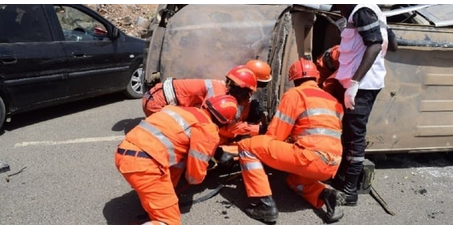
(53,54)
(413,113)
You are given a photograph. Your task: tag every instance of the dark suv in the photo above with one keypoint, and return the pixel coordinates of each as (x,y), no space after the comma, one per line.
(52,54)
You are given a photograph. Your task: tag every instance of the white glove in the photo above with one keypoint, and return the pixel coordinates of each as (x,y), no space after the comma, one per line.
(350,94)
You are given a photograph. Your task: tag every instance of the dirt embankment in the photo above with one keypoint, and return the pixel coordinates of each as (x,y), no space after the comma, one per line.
(133,19)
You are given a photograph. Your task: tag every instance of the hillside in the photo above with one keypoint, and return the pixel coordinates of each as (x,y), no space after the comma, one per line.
(133,19)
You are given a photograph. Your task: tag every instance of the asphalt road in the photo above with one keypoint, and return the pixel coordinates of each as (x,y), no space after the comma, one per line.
(63,172)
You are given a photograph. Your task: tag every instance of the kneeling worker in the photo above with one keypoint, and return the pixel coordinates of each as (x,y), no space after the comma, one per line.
(154,154)
(312,119)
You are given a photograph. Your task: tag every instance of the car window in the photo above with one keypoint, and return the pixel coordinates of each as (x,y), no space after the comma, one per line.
(79,26)
(23,23)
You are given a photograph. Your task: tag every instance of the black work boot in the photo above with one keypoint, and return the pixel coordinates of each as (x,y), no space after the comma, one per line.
(333,200)
(263,208)
(350,190)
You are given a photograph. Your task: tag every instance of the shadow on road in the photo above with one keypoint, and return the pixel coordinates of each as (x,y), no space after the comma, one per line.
(126,125)
(39,115)
(410,160)
(125,210)
(234,192)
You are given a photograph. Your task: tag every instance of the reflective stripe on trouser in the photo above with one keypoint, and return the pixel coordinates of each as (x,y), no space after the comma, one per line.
(153,185)
(306,167)
(354,132)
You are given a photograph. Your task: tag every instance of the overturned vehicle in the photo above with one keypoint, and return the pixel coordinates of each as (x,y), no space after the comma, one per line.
(413,113)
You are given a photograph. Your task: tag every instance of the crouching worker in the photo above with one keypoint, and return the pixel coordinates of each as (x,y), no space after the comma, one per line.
(312,118)
(154,154)
(250,119)
(181,92)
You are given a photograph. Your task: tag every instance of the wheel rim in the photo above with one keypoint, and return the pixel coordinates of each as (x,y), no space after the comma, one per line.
(136,81)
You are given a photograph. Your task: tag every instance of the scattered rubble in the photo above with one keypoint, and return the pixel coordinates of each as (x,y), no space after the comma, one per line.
(133,19)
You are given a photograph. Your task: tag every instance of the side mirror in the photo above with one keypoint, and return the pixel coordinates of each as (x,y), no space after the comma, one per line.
(115,33)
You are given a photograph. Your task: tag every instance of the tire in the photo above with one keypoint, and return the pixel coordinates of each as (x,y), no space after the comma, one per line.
(2,113)
(135,88)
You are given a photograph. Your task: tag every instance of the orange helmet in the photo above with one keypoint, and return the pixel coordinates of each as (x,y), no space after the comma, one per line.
(303,68)
(243,76)
(222,107)
(261,69)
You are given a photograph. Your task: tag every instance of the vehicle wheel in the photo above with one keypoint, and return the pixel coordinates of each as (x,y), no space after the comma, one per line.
(136,83)
(2,113)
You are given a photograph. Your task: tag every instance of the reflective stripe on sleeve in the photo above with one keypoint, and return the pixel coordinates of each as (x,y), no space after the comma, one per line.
(370,26)
(209,88)
(318,112)
(198,155)
(284,118)
(321,131)
(169,91)
(245,154)
(251,166)
(180,120)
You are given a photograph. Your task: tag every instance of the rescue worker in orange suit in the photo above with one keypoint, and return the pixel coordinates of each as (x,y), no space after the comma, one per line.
(251,116)
(185,92)
(240,82)
(175,139)
(312,119)
(242,85)
(327,64)
(262,71)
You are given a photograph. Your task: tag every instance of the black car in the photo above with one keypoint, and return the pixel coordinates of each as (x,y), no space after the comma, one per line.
(53,54)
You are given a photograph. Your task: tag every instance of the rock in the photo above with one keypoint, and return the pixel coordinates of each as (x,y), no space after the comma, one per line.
(133,19)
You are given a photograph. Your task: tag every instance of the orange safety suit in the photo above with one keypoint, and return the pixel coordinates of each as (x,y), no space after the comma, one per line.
(312,118)
(154,154)
(239,126)
(184,92)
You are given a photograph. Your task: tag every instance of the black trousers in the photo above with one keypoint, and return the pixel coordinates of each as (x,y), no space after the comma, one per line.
(354,131)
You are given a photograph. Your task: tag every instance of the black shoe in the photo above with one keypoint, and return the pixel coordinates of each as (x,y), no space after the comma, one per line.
(348,186)
(264,209)
(350,189)
(350,199)
(333,200)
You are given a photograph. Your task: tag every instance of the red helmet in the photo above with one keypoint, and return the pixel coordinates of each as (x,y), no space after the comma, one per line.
(261,69)
(243,76)
(222,107)
(303,68)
